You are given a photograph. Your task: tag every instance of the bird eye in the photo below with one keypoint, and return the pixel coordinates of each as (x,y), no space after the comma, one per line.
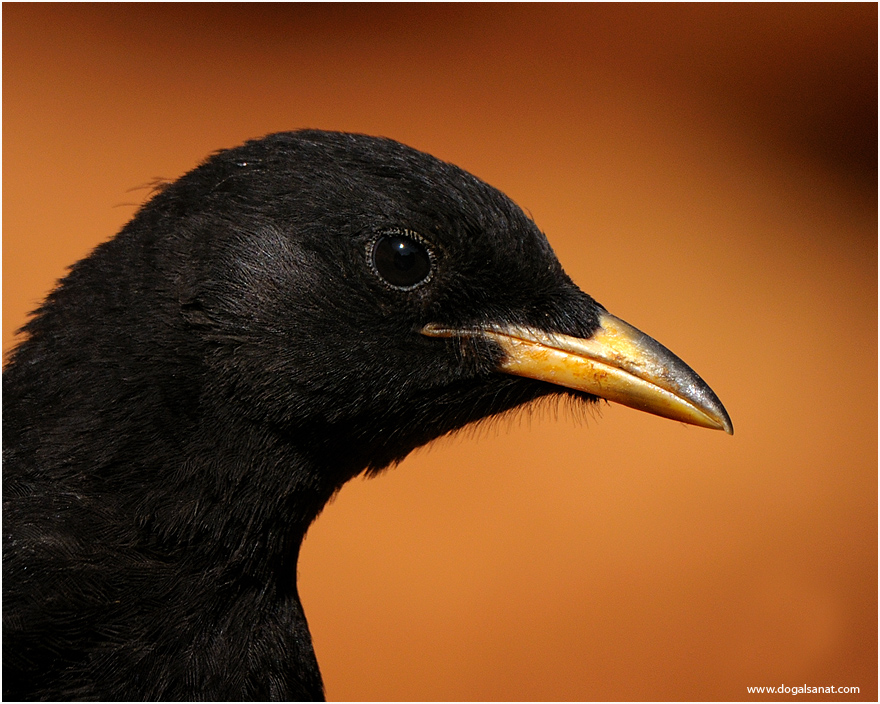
(401,259)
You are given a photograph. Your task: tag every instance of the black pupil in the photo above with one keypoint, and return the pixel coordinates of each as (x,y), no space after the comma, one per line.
(401,261)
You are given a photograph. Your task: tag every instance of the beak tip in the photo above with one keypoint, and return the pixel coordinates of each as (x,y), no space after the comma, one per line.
(720,418)
(715,412)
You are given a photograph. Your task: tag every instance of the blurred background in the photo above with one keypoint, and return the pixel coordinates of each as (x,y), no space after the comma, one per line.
(707,172)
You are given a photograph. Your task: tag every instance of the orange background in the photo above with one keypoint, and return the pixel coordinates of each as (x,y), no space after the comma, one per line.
(707,172)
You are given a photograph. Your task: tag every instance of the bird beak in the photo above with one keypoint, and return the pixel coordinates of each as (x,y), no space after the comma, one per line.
(618,363)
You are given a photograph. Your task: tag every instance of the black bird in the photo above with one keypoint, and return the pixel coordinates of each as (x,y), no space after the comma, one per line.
(290,314)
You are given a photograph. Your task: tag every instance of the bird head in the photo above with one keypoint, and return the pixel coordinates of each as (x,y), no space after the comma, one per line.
(372,297)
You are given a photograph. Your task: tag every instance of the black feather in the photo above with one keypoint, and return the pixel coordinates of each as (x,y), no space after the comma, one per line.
(194,392)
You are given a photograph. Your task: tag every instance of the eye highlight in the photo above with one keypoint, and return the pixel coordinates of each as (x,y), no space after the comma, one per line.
(401,259)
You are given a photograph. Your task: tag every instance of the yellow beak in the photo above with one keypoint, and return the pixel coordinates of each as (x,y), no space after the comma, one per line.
(618,363)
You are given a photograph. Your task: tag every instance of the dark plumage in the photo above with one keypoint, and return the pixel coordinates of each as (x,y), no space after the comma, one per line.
(293,312)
